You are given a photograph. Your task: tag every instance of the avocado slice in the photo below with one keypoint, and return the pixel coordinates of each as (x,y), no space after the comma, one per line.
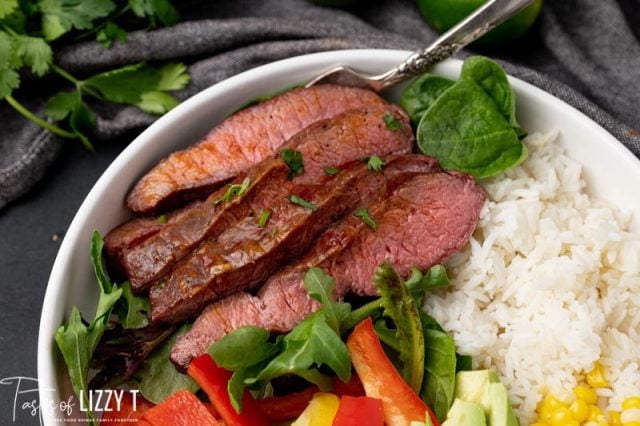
(465,413)
(473,386)
(501,412)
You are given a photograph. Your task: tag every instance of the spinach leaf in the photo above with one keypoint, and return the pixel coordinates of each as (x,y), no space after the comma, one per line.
(464,362)
(466,131)
(312,342)
(320,286)
(440,372)
(158,377)
(76,340)
(429,323)
(402,309)
(243,348)
(135,309)
(418,96)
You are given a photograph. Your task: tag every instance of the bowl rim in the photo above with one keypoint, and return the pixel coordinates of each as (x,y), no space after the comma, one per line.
(57,284)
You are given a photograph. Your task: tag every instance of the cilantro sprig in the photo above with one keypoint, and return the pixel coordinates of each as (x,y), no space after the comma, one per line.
(31,30)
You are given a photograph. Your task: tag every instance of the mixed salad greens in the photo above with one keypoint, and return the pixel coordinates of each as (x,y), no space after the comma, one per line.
(408,362)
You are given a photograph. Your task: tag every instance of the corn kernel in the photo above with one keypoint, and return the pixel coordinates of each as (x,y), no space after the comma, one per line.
(579,409)
(630,415)
(631,402)
(595,378)
(594,413)
(614,418)
(539,424)
(585,393)
(631,424)
(561,416)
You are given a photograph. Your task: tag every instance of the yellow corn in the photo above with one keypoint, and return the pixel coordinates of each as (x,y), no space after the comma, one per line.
(595,413)
(630,415)
(631,402)
(614,418)
(595,378)
(631,424)
(539,424)
(585,393)
(561,416)
(579,409)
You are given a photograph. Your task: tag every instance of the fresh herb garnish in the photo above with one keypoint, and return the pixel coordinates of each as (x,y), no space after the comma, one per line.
(76,340)
(162,219)
(302,202)
(331,171)
(135,309)
(27,31)
(391,122)
(234,190)
(293,160)
(375,163)
(366,218)
(439,372)
(264,218)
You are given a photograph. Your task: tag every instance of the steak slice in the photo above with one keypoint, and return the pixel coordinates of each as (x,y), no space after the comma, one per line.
(245,255)
(424,221)
(245,138)
(348,137)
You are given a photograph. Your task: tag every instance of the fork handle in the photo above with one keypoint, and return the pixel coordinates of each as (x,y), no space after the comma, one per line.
(483,20)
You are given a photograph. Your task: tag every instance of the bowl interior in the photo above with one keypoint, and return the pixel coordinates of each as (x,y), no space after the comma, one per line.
(610,170)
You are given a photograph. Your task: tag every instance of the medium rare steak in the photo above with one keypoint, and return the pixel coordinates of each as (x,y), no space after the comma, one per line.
(245,138)
(423,222)
(246,254)
(348,137)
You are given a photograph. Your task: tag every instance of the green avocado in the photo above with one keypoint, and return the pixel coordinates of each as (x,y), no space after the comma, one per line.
(465,413)
(501,413)
(483,388)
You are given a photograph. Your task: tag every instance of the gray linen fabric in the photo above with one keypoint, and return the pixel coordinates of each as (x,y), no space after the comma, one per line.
(586,52)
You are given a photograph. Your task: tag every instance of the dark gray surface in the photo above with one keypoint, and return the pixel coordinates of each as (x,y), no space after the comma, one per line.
(584,51)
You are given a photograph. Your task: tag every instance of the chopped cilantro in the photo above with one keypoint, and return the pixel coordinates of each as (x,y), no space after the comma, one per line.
(331,171)
(364,215)
(264,218)
(293,159)
(302,202)
(375,163)
(391,123)
(162,219)
(235,190)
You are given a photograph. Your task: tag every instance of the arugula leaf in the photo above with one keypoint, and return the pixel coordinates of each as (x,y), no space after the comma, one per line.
(293,160)
(420,94)
(391,122)
(243,348)
(418,283)
(35,53)
(312,342)
(264,218)
(366,218)
(158,377)
(320,286)
(110,33)
(295,199)
(61,16)
(156,11)
(440,372)
(137,308)
(375,163)
(156,102)
(7,7)
(401,308)
(235,190)
(76,340)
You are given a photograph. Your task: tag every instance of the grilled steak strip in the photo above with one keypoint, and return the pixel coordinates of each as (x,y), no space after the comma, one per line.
(246,138)
(425,220)
(348,137)
(245,255)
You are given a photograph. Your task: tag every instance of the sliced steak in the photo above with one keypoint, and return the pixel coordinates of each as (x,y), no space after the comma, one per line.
(424,221)
(246,138)
(245,255)
(348,137)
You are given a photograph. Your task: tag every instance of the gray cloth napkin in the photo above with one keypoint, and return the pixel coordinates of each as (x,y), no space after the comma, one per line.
(586,52)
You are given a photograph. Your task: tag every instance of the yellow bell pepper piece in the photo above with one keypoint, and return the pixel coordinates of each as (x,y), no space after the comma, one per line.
(320,412)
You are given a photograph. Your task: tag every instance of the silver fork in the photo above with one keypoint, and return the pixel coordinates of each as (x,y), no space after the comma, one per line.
(474,26)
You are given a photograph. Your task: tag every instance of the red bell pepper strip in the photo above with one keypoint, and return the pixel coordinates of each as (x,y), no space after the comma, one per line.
(181,408)
(400,404)
(213,380)
(125,412)
(352,388)
(287,407)
(359,411)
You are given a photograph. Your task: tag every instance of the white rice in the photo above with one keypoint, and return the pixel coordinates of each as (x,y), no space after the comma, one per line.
(548,285)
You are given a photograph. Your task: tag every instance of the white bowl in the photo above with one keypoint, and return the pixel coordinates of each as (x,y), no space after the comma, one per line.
(611,172)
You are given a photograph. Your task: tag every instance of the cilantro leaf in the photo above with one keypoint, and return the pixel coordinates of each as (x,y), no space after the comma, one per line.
(320,286)
(156,102)
(61,16)
(127,84)
(35,53)
(7,7)
(173,76)
(9,80)
(9,59)
(110,33)
(391,122)
(375,163)
(156,11)
(82,122)
(366,218)
(60,105)
(293,160)
(331,171)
